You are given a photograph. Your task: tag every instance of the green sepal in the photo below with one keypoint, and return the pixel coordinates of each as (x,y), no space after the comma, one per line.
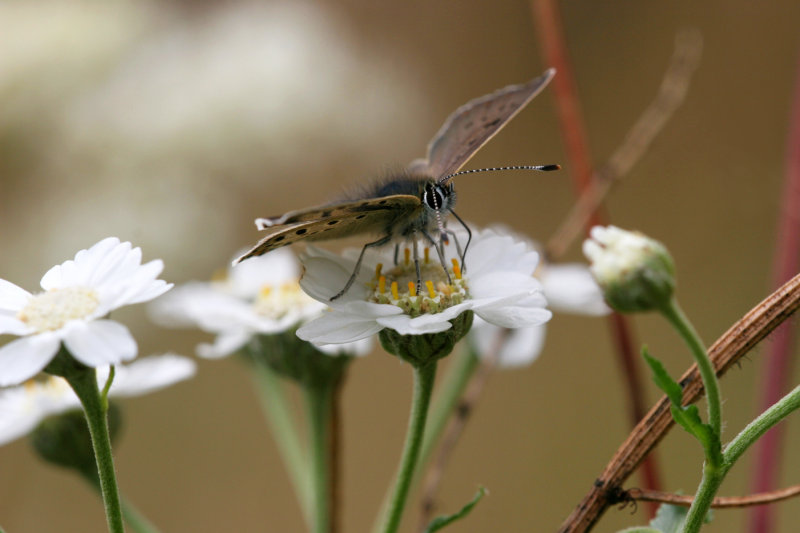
(64,440)
(420,350)
(688,417)
(296,359)
(441,521)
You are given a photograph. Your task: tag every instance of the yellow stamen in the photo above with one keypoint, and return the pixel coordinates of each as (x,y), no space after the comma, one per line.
(395,294)
(427,254)
(378,270)
(456,269)
(431,292)
(412,288)
(264,291)
(408,255)
(382,284)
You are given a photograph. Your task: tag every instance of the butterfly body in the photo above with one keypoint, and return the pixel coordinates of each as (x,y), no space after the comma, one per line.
(413,204)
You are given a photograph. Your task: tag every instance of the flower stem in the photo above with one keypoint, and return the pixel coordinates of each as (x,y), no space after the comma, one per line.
(94,407)
(275,406)
(712,479)
(424,376)
(677,318)
(319,403)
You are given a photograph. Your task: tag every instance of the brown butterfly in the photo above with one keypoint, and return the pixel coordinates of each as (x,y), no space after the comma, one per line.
(415,203)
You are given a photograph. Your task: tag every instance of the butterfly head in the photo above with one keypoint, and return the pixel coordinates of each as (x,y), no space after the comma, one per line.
(438,197)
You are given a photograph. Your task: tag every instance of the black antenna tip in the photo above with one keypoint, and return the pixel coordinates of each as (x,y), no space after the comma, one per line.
(548,168)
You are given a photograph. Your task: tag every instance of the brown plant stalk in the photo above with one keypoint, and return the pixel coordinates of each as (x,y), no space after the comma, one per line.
(720,502)
(724,353)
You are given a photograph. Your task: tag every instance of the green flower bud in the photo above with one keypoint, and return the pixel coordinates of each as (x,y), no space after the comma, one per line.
(64,440)
(420,350)
(296,359)
(635,272)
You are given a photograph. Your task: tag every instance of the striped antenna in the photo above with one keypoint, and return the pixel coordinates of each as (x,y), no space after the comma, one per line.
(543,168)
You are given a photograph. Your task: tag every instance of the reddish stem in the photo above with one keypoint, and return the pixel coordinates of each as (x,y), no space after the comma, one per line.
(550,31)
(786,263)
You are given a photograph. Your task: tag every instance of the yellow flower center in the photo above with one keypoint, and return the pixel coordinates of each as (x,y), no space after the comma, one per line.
(436,293)
(276,301)
(50,310)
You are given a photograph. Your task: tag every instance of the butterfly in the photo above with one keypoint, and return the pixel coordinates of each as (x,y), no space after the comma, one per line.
(413,204)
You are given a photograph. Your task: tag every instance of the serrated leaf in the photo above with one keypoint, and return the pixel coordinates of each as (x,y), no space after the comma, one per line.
(664,381)
(669,518)
(440,521)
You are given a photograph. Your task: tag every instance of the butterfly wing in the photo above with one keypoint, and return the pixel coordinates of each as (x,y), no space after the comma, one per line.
(336,221)
(473,124)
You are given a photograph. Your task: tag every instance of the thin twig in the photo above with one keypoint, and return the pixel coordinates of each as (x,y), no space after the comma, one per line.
(671,94)
(779,355)
(729,348)
(456,426)
(720,502)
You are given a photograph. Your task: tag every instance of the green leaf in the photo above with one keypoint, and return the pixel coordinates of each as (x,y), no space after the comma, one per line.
(639,529)
(440,521)
(688,417)
(664,381)
(669,518)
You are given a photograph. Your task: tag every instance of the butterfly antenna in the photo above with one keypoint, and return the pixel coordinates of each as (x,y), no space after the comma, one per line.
(543,168)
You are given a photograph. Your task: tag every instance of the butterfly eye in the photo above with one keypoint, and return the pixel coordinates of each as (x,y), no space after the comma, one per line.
(433,196)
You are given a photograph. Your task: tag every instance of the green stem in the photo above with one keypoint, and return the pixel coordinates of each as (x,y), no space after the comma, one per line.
(423,386)
(94,407)
(709,485)
(677,318)
(777,412)
(275,406)
(319,404)
(135,519)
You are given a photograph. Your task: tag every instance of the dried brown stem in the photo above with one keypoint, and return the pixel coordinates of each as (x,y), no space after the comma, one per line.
(724,353)
(720,502)
(671,94)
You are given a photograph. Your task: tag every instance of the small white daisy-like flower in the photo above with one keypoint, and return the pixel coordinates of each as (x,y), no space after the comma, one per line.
(77,293)
(24,406)
(498,287)
(636,272)
(260,296)
(568,288)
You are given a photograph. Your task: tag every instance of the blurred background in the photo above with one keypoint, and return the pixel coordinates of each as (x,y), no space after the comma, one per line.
(175,124)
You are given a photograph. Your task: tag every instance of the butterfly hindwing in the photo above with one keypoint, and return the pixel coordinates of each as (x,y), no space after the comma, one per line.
(474,123)
(372,215)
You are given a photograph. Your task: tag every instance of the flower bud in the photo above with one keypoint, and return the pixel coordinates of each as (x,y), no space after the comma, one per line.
(635,272)
(420,350)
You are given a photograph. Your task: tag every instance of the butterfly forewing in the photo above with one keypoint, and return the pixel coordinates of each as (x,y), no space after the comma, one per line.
(474,123)
(374,215)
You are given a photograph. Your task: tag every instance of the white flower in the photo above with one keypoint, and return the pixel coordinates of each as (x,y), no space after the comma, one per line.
(568,288)
(498,287)
(258,296)
(77,293)
(24,406)
(636,272)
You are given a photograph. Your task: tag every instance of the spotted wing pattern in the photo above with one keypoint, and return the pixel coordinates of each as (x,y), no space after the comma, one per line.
(334,222)
(473,124)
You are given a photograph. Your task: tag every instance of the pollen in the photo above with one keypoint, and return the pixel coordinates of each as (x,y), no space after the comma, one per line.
(456,269)
(51,310)
(277,301)
(440,289)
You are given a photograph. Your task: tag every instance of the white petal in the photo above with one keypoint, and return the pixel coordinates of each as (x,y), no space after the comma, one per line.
(100,342)
(324,278)
(11,326)
(149,374)
(404,325)
(277,267)
(514,311)
(502,284)
(571,288)
(338,328)
(521,347)
(12,297)
(224,344)
(23,358)
(358,348)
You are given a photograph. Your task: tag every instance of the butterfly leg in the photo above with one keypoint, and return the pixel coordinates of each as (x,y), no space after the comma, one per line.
(379,242)
(416,262)
(469,239)
(440,252)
